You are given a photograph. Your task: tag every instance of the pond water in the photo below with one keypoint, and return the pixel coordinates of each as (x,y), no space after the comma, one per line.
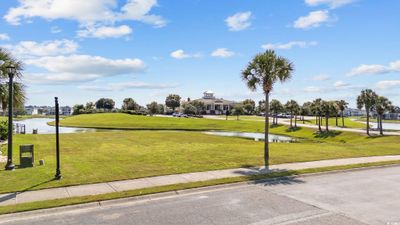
(255,136)
(387,126)
(43,128)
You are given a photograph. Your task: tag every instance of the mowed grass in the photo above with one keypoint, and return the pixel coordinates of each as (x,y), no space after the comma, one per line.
(126,121)
(118,155)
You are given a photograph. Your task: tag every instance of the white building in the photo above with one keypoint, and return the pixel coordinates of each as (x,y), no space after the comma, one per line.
(213,105)
(354,112)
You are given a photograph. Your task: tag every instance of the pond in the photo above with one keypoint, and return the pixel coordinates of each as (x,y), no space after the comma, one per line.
(387,126)
(43,128)
(255,136)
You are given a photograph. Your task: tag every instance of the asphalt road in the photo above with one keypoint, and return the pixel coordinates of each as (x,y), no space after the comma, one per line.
(359,197)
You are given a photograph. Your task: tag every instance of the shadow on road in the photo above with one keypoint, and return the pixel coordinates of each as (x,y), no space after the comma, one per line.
(270,177)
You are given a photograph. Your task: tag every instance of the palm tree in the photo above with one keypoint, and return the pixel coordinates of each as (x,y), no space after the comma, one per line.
(305,110)
(342,104)
(316,110)
(276,107)
(263,71)
(367,100)
(326,109)
(382,105)
(293,108)
(19,88)
(19,96)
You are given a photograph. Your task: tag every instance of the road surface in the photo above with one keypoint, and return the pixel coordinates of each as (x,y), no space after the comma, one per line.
(359,197)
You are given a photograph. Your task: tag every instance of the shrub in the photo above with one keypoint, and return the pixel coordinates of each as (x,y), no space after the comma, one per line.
(3,130)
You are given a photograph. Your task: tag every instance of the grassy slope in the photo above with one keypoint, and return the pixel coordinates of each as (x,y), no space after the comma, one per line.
(106,156)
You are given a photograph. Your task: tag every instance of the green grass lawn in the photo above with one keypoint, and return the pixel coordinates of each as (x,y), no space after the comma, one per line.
(348,123)
(118,155)
(126,121)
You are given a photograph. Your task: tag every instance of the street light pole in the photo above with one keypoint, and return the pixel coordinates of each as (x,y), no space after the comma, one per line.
(57,112)
(11,72)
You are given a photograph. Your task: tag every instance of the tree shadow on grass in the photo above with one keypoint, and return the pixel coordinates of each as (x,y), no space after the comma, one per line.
(293,129)
(327,134)
(269,177)
(275,125)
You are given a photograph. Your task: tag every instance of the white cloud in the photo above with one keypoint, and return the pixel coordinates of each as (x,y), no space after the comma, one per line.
(55,30)
(127,85)
(239,21)
(105,31)
(222,53)
(312,89)
(368,69)
(331,3)
(26,49)
(88,13)
(321,77)
(312,20)
(4,37)
(375,69)
(388,84)
(340,84)
(180,54)
(289,45)
(77,68)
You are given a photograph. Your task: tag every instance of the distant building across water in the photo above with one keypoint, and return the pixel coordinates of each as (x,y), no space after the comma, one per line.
(215,106)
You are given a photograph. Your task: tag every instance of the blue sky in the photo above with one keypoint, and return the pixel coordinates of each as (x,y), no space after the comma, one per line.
(145,49)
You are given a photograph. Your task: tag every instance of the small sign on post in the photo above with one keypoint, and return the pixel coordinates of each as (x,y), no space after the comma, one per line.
(26,155)
(57,112)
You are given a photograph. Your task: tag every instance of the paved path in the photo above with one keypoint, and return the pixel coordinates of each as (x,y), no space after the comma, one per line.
(117,186)
(353,198)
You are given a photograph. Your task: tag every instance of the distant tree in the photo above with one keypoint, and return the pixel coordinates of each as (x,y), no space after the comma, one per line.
(261,107)
(130,104)
(317,111)
(198,104)
(90,107)
(173,101)
(152,108)
(190,109)
(249,106)
(275,107)
(78,109)
(105,103)
(367,100)
(382,105)
(342,104)
(238,110)
(160,109)
(305,110)
(292,107)
(263,71)
(335,110)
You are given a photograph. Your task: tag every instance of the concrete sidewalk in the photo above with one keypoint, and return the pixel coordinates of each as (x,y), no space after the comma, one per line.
(125,185)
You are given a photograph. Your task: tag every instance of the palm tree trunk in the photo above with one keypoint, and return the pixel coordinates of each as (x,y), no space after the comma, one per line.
(367,121)
(266,132)
(380,124)
(337,124)
(295,120)
(291,119)
(342,119)
(316,120)
(319,123)
(327,121)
